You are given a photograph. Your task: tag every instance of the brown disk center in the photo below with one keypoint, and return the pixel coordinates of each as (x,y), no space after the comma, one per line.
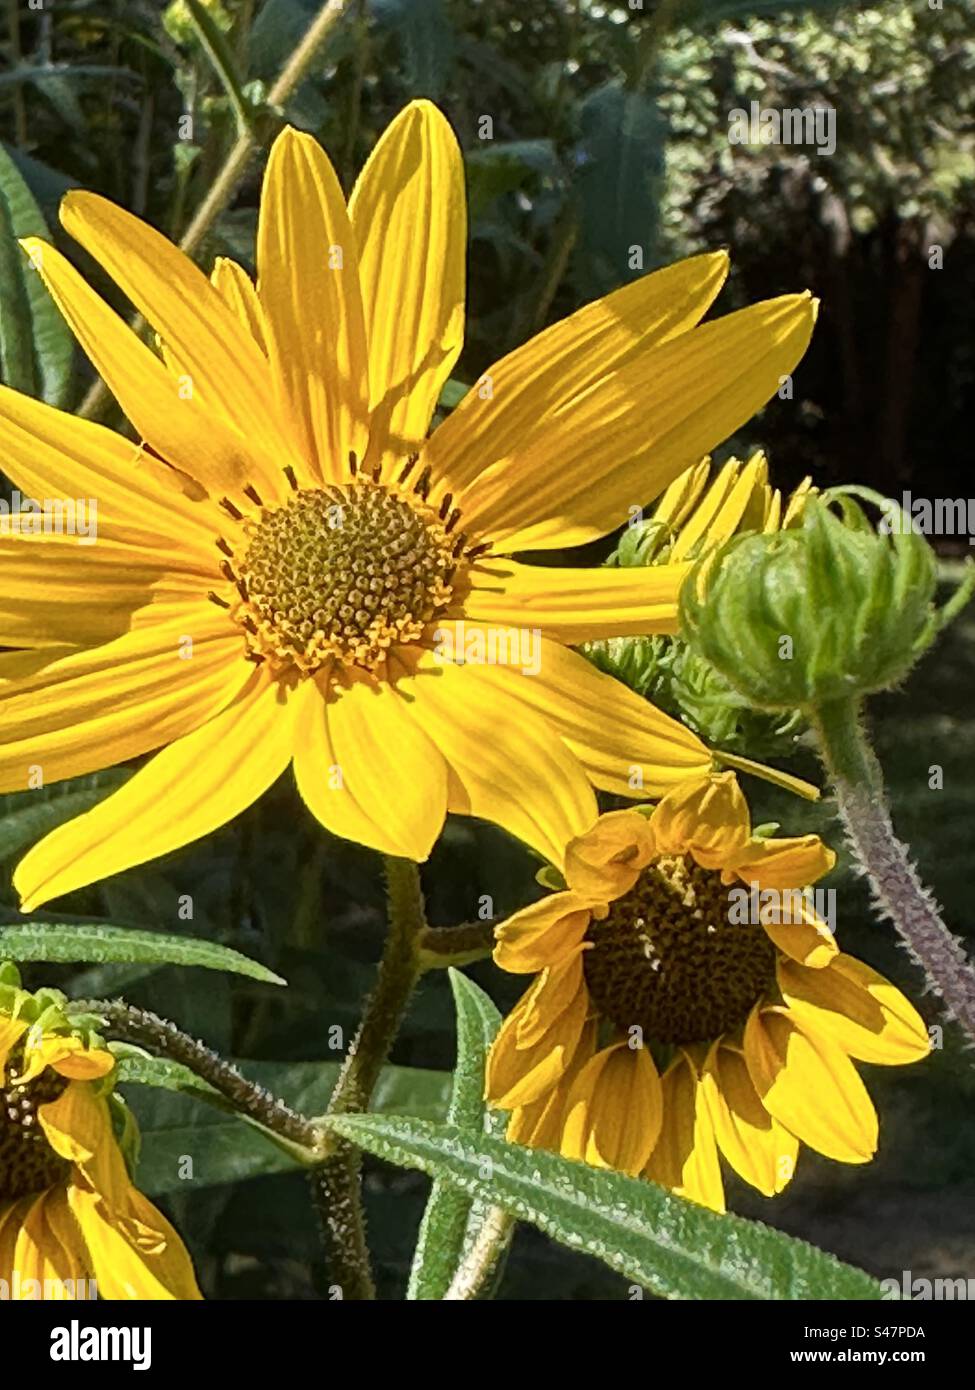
(28,1164)
(668,958)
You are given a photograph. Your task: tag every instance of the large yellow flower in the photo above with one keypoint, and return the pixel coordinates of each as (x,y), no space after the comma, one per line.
(288,568)
(69,1213)
(684,939)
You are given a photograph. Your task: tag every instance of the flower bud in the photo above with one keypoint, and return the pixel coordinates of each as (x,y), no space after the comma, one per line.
(831,609)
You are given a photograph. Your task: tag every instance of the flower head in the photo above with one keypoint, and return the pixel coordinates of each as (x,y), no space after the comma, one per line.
(290,571)
(68,1209)
(691,1000)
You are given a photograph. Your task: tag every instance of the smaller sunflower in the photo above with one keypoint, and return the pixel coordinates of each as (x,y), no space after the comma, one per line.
(678,1014)
(69,1213)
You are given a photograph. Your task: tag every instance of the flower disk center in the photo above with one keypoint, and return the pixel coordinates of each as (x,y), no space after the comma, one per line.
(343,573)
(668,958)
(28,1164)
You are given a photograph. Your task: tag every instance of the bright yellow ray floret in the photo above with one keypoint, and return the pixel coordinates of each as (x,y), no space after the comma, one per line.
(288,571)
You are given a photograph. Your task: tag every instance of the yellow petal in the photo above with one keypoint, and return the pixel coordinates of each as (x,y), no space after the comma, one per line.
(553,994)
(606,861)
(237,290)
(42,1263)
(577,605)
(76,1125)
(614,1110)
(810,1086)
(527,390)
(47,453)
(57,592)
(785,863)
(538,1125)
(65,713)
(11,1030)
(760,1150)
(134,1251)
(191,788)
(685,1157)
(12,1217)
(797,930)
(516,1075)
(574,476)
(308,283)
(366,768)
(542,933)
(508,763)
(69,1056)
(861,1011)
(625,744)
(679,500)
(723,509)
(228,372)
(409,213)
(707,817)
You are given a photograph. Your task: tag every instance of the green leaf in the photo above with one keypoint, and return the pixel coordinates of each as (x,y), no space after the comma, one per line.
(621,168)
(218,50)
(101,943)
(36,346)
(424,29)
(137,1068)
(223,1149)
(26,816)
(452,394)
(451,1218)
(666,1244)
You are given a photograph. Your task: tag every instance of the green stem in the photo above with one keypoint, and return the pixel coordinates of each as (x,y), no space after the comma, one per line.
(477,1268)
(337,1183)
(898,892)
(227,181)
(444,946)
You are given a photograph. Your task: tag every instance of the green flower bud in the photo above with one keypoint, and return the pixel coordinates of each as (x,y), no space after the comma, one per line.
(828,610)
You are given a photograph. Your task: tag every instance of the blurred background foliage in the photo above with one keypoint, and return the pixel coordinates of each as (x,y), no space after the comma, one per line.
(606,130)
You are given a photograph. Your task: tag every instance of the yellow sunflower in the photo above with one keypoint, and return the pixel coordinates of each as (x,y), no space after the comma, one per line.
(69,1213)
(289,570)
(685,945)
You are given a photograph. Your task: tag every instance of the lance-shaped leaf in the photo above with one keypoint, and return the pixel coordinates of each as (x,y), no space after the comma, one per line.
(662,1242)
(453,1219)
(102,944)
(35,342)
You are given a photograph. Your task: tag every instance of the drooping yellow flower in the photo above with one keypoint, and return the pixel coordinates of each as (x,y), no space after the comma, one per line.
(683,938)
(69,1214)
(290,570)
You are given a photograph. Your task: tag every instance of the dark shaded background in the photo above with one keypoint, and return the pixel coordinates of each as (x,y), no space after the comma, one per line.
(609,131)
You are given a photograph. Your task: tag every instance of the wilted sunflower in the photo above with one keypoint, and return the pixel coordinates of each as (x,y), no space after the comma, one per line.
(651,961)
(289,569)
(68,1210)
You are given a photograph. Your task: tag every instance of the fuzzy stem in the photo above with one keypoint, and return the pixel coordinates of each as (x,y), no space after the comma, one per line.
(337,1183)
(226,183)
(160,1036)
(443,946)
(898,892)
(475,1271)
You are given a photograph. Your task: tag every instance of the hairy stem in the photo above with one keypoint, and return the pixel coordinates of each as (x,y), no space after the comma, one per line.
(443,946)
(161,1037)
(242,151)
(337,1182)
(476,1269)
(898,892)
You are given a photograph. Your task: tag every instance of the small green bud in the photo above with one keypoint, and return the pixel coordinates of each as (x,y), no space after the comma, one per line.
(831,609)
